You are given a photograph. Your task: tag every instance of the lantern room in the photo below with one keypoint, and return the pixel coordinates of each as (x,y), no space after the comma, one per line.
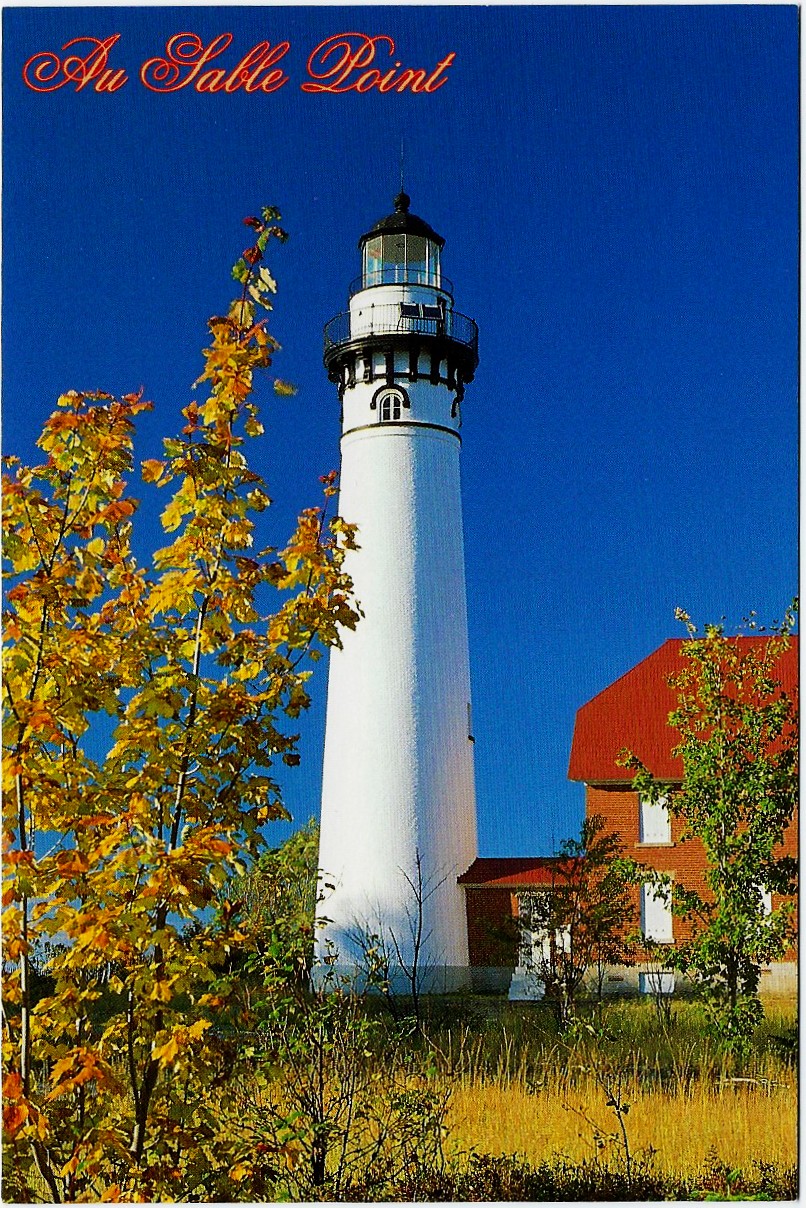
(401,248)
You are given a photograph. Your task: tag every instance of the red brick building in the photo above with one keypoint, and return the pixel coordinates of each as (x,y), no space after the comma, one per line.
(631,713)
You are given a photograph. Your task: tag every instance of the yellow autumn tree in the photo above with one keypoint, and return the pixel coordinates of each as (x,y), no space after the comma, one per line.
(116,1079)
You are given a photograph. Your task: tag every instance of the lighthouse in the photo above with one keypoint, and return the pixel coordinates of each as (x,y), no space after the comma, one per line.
(398,823)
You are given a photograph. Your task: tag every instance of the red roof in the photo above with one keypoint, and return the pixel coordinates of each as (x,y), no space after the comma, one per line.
(509,873)
(633,713)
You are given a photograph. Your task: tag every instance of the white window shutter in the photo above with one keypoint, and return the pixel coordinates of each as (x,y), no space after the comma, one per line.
(656,915)
(655,823)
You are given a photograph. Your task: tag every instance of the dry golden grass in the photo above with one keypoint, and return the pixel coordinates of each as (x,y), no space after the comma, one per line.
(531,1093)
(740,1122)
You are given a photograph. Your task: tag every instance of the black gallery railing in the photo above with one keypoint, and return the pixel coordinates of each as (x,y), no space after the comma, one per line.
(385,320)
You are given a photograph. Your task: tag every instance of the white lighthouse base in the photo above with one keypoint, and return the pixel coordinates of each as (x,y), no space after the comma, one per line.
(444,979)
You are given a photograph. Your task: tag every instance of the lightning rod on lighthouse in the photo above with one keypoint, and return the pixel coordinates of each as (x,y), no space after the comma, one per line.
(398,821)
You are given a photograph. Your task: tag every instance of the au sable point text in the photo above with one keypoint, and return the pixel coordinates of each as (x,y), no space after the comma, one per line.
(349,62)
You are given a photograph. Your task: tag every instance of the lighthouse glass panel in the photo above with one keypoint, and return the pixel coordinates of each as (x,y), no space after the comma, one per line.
(432,274)
(395,259)
(373,261)
(416,265)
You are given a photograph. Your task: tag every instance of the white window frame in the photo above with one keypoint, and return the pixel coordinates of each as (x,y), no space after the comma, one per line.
(656,981)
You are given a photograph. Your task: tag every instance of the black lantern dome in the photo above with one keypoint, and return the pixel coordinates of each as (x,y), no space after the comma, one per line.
(401,222)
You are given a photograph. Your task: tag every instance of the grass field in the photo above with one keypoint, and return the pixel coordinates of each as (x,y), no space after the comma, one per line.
(486,1101)
(740,1124)
(517,1089)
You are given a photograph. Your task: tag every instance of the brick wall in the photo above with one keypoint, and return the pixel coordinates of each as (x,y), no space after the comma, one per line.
(684,861)
(491,928)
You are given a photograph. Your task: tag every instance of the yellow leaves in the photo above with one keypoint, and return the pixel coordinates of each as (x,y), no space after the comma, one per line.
(159,700)
(72,863)
(292,1153)
(152,469)
(93,820)
(168,1052)
(95,938)
(19,1114)
(14,947)
(17,856)
(203,844)
(89,584)
(191,414)
(15,1116)
(115,512)
(266,280)
(70,1167)
(238,533)
(340,528)
(61,423)
(174,514)
(329,481)
(113,1194)
(284,389)
(183,730)
(23,556)
(70,399)
(175,592)
(80,1066)
(219,847)
(40,718)
(248,670)
(258,500)
(211,1000)
(161,991)
(15,1106)
(279,630)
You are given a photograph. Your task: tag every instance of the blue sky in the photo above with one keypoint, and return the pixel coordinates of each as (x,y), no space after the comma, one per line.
(618,189)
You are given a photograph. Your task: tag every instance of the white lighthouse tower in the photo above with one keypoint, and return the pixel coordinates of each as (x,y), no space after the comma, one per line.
(398,800)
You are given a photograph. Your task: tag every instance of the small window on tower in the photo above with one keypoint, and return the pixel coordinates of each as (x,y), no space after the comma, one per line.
(390,401)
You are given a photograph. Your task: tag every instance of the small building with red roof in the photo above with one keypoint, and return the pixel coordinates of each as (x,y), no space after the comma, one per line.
(492,889)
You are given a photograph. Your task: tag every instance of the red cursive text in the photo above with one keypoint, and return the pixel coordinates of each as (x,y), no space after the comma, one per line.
(341,61)
(349,62)
(186,55)
(47,72)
